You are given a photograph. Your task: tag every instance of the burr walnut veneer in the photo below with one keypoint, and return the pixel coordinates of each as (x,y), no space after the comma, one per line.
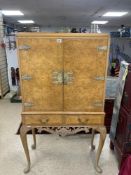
(63,82)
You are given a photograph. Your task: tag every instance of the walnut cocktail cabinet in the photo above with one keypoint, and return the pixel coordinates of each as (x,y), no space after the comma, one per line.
(62,83)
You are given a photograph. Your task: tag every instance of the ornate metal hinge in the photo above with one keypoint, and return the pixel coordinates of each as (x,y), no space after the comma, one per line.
(99,78)
(102,48)
(28,104)
(24,47)
(26,77)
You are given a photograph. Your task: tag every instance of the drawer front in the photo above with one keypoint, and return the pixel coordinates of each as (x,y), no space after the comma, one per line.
(84,120)
(54,120)
(42,120)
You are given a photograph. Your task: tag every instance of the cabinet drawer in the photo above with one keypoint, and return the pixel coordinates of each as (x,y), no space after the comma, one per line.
(84,120)
(42,119)
(58,120)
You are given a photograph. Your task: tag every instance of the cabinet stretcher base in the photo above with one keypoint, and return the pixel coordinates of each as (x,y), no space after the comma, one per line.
(101,129)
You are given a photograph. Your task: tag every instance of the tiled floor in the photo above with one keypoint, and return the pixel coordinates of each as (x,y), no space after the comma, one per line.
(54,155)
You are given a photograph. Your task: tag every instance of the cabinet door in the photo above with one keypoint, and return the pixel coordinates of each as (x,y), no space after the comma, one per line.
(41,67)
(85,63)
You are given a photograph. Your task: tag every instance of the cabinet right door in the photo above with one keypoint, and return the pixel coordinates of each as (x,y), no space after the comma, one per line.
(85,61)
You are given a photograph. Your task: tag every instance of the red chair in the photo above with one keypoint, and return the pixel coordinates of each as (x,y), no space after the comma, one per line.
(126,167)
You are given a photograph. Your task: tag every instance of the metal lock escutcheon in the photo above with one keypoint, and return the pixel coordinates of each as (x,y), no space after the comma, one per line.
(57,77)
(68,78)
(60,77)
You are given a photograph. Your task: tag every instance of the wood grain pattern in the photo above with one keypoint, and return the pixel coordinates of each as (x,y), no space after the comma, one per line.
(61,112)
(77,99)
(84,119)
(40,62)
(74,53)
(45,120)
(82,58)
(51,120)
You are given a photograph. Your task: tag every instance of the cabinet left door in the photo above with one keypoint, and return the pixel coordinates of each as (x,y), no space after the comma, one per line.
(41,65)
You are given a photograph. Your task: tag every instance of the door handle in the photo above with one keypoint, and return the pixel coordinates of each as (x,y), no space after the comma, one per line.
(44,121)
(60,77)
(83,121)
(57,77)
(68,78)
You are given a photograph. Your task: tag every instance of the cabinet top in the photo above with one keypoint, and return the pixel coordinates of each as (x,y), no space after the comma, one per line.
(62,35)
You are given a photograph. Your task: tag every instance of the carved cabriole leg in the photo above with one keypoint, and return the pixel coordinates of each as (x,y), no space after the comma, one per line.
(23,131)
(92,139)
(102,131)
(34,138)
